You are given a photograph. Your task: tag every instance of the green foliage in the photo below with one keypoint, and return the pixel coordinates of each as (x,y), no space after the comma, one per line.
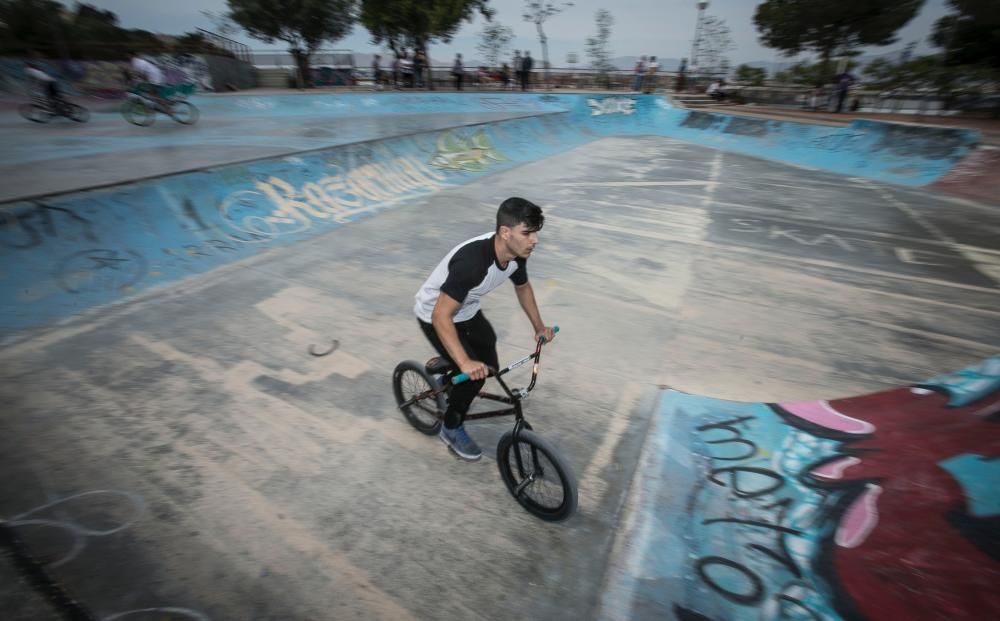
(302,24)
(755,76)
(831,27)
(496,39)
(809,74)
(597,45)
(47,28)
(417,23)
(970,35)
(538,12)
(30,25)
(929,73)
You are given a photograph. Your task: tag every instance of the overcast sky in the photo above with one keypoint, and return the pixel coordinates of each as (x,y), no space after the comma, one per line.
(663,28)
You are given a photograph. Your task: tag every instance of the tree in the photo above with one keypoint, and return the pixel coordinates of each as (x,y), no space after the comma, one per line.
(418,23)
(597,45)
(831,27)
(30,25)
(538,12)
(496,39)
(303,24)
(971,35)
(808,74)
(713,45)
(754,75)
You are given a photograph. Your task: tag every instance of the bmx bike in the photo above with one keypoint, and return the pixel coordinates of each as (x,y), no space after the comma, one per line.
(43,110)
(531,468)
(140,109)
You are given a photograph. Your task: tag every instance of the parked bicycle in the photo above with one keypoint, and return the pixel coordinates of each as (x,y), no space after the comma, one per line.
(531,468)
(42,109)
(140,108)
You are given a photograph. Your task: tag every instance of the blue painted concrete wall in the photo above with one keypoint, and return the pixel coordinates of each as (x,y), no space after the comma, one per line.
(68,253)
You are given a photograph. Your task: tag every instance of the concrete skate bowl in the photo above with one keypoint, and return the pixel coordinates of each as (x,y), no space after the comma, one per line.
(157,339)
(81,249)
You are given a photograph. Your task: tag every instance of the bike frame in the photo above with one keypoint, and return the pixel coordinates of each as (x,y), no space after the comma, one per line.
(512,398)
(55,107)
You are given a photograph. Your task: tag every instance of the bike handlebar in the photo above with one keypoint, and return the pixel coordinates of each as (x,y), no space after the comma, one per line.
(464,377)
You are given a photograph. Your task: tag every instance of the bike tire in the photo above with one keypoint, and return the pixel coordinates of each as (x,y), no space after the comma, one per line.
(184,112)
(540,460)
(410,379)
(78,113)
(35,113)
(138,113)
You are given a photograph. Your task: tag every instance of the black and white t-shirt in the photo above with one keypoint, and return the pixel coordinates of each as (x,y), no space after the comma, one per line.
(466,274)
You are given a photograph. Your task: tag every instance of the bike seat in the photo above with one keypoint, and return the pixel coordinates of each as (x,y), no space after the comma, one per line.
(438,366)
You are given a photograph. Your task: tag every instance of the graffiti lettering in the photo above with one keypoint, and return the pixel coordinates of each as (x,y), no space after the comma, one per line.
(507,103)
(28,228)
(100,269)
(192,214)
(276,207)
(756,587)
(734,473)
(736,437)
(847,244)
(68,515)
(908,255)
(756,512)
(611,105)
(210,247)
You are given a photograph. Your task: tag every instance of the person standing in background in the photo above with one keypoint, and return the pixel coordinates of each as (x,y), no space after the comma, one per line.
(526,64)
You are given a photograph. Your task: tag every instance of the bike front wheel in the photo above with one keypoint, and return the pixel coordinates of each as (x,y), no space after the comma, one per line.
(536,476)
(35,113)
(77,113)
(412,385)
(184,113)
(138,113)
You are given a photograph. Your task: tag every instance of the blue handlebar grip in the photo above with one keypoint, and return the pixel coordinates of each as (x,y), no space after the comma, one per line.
(461,377)
(555,329)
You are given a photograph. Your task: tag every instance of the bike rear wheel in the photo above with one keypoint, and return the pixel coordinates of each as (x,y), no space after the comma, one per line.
(35,113)
(410,380)
(138,113)
(536,476)
(184,113)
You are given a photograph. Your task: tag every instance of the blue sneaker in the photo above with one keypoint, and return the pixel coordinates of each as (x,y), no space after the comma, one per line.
(460,443)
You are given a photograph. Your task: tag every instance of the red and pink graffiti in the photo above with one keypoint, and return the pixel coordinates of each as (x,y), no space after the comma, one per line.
(907,544)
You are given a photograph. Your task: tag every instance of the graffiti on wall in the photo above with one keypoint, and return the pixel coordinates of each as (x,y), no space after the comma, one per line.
(277,207)
(880,507)
(473,152)
(611,105)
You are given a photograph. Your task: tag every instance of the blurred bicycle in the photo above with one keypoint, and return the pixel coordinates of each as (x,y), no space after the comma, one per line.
(141,106)
(43,109)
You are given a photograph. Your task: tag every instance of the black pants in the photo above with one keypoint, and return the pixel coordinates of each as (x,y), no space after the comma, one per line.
(480,343)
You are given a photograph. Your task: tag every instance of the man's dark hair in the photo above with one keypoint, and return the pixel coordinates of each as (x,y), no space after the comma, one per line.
(514,211)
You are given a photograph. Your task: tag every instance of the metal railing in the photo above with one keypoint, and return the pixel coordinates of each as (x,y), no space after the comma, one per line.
(237,49)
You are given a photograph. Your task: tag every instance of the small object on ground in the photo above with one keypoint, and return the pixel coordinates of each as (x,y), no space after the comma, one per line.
(334,344)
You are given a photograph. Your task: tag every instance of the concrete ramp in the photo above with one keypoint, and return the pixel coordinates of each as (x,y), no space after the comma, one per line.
(175,449)
(879,507)
(76,250)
